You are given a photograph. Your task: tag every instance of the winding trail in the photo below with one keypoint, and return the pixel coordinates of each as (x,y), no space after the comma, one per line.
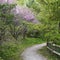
(31,53)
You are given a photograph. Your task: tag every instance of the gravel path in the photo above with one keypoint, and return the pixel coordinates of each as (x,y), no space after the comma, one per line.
(31,53)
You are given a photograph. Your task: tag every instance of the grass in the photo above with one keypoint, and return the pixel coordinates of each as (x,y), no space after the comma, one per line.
(29,42)
(48,54)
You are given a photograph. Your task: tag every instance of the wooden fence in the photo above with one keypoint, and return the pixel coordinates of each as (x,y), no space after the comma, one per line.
(54,48)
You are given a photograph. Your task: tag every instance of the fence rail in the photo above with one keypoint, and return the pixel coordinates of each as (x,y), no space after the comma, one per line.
(54,48)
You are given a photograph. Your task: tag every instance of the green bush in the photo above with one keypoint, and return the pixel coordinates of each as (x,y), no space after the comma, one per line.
(9,51)
(57,39)
(34,30)
(53,37)
(1,58)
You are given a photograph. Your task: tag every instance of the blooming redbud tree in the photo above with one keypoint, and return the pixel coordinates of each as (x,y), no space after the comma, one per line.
(7,1)
(21,13)
(25,13)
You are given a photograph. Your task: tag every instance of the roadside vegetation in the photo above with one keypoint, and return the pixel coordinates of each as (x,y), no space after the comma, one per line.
(48,54)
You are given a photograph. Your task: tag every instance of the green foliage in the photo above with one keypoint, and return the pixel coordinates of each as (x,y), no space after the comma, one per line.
(50,16)
(1,58)
(56,39)
(5,13)
(2,31)
(36,30)
(6,18)
(15,31)
(9,51)
(20,2)
(48,54)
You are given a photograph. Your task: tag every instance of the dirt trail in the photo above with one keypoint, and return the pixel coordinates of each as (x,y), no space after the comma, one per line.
(31,53)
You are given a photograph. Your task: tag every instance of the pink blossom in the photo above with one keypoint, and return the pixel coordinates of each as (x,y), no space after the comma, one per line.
(21,11)
(7,1)
(3,1)
(25,13)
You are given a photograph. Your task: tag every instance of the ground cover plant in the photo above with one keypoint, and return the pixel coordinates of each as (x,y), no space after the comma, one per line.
(49,55)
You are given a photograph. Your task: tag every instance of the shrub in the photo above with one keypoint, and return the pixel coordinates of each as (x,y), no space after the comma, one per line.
(57,38)
(1,58)
(9,51)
